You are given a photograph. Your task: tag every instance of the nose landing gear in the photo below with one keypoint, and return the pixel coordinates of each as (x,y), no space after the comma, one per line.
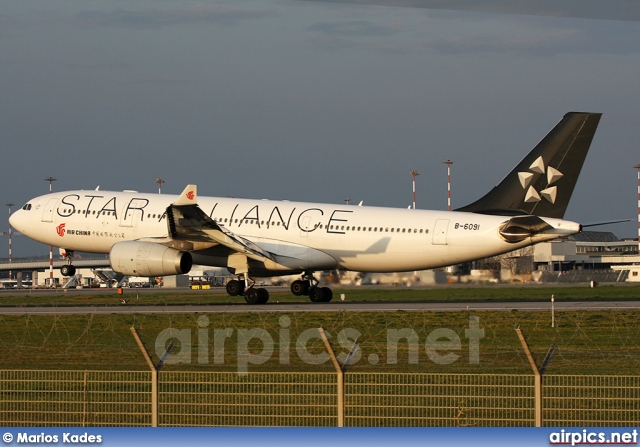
(68,270)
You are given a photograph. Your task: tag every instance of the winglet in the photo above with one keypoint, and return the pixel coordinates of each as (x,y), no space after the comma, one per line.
(188,197)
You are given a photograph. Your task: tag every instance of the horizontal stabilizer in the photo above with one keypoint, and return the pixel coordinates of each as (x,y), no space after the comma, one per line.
(596,224)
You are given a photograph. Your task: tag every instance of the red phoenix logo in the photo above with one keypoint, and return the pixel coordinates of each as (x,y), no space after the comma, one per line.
(190,195)
(60,229)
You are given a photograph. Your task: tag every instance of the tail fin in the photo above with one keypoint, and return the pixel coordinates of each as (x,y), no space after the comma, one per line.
(543,182)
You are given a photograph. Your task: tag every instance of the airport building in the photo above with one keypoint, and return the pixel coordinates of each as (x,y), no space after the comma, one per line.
(585,253)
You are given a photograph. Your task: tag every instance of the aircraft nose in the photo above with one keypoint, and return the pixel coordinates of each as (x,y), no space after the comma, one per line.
(17,220)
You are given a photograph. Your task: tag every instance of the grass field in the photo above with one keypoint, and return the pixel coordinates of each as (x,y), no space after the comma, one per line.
(451,292)
(587,342)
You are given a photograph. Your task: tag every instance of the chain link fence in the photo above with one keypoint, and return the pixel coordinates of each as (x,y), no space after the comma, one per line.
(252,399)
(78,398)
(438,400)
(596,401)
(124,398)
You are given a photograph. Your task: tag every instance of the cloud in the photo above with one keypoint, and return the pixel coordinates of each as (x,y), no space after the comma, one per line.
(626,10)
(215,13)
(545,40)
(357,28)
(450,33)
(561,41)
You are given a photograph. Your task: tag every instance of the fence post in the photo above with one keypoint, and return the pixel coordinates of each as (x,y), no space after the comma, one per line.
(84,403)
(154,378)
(340,376)
(537,379)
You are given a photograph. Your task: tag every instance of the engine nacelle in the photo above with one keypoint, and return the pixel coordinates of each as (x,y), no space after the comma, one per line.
(133,258)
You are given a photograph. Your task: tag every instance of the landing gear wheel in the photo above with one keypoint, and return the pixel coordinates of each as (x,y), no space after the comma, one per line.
(327,294)
(320,294)
(299,288)
(68,270)
(263,296)
(256,296)
(316,294)
(252,296)
(235,287)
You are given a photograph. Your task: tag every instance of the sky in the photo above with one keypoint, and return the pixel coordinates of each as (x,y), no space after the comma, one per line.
(314,100)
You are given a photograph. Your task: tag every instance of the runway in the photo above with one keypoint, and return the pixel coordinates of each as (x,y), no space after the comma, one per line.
(339,306)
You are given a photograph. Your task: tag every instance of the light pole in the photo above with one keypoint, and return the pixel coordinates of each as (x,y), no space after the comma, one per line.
(414,174)
(347,201)
(10,273)
(448,163)
(159,181)
(50,180)
(638,168)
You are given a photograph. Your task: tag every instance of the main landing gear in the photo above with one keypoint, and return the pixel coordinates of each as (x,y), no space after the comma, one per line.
(245,287)
(68,270)
(308,285)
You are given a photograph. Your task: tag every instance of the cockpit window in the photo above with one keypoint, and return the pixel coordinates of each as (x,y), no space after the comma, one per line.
(27,207)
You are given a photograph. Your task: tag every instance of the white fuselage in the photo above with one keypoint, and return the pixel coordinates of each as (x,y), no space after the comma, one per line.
(305,236)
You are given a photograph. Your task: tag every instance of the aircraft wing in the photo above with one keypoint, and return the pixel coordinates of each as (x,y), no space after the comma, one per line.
(188,223)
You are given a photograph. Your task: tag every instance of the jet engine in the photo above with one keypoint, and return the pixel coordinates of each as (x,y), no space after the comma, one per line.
(132,258)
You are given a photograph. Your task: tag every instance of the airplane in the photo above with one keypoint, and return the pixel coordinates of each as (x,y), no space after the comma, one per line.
(160,234)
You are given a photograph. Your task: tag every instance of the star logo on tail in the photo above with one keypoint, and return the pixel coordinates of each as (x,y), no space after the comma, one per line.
(550,192)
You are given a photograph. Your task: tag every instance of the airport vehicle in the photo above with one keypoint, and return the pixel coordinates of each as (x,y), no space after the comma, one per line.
(159,235)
